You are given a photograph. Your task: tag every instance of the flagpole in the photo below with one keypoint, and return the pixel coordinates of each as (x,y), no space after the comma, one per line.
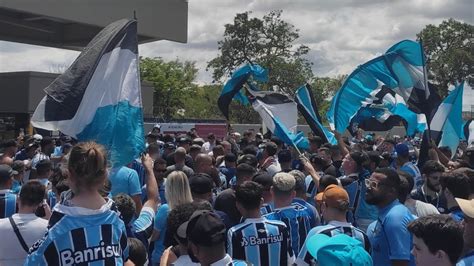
(425,80)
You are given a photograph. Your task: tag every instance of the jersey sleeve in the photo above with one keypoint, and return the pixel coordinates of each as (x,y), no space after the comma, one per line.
(144,223)
(134,187)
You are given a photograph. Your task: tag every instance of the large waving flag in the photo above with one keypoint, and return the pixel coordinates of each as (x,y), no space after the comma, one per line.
(98,98)
(307,106)
(386,110)
(232,88)
(446,126)
(400,69)
(279,114)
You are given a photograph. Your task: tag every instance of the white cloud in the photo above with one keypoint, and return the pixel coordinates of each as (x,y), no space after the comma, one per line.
(341,33)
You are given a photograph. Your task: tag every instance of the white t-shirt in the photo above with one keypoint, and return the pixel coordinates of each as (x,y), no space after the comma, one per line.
(32,228)
(421,209)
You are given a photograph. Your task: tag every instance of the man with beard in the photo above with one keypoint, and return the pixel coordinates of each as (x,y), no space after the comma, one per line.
(430,191)
(390,239)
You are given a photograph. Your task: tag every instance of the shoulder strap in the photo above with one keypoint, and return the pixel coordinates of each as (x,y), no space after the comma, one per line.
(18,235)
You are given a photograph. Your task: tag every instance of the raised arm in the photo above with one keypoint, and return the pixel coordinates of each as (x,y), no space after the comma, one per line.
(151,185)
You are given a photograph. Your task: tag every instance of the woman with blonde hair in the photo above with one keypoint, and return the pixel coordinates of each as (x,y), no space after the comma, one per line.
(84,226)
(177,192)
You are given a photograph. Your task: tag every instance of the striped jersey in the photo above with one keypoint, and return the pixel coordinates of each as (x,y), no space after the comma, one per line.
(331,229)
(266,208)
(7,203)
(260,242)
(298,222)
(82,236)
(142,227)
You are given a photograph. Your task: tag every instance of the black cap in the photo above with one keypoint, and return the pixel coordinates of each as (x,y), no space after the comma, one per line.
(200,184)
(6,172)
(183,139)
(205,228)
(169,145)
(284,156)
(248,159)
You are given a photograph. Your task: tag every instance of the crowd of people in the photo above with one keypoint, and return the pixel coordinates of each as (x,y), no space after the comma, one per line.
(245,199)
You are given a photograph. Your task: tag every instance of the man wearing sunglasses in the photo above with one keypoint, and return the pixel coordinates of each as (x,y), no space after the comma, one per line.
(389,237)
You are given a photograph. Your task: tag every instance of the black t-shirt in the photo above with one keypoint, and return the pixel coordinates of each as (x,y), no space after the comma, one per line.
(331,170)
(225,202)
(439,202)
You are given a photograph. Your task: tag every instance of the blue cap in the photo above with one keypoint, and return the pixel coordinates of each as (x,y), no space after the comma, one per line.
(402,149)
(338,250)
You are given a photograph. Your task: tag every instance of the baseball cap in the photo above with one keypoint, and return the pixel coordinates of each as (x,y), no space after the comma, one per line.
(284,181)
(248,159)
(402,149)
(169,145)
(183,139)
(157,126)
(204,228)
(338,250)
(37,137)
(467,206)
(336,197)
(6,172)
(200,184)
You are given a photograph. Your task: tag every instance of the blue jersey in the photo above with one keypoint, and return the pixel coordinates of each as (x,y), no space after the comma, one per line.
(266,208)
(124,180)
(81,236)
(7,203)
(389,236)
(260,242)
(298,222)
(313,213)
(331,229)
(16,186)
(51,198)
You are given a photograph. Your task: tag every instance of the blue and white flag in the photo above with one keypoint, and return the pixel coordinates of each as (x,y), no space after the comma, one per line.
(446,126)
(232,88)
(400,69)
(386,110)
(279,114)
(307,106)
(98,98)
(468,130)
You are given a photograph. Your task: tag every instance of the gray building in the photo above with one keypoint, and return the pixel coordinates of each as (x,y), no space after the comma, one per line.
(22,91)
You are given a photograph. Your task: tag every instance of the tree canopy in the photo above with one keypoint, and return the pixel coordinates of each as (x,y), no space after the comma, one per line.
(172,82)
(269,42)
(449,52)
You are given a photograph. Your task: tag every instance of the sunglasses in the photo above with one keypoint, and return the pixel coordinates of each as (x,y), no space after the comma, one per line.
(371,183)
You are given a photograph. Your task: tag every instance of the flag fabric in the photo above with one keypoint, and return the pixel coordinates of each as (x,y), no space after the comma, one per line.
(279,114)
(468,131)
(400,69)
(98,98)
(386,110)
(307,106)
(446,126)
(232,88)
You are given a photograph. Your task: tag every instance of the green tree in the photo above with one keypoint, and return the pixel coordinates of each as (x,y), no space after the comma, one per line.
(201,102)
(172,82)
(449,51)
(268,42)
(324,89)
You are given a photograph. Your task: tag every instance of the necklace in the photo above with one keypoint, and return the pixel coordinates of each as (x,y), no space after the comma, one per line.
(426,200)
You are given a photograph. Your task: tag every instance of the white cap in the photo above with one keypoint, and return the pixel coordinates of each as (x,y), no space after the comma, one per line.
(157,126)
(37,137)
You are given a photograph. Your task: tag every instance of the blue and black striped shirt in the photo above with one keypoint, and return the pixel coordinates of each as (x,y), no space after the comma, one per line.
(297,220)
(79,236)
(7,203)
(260,242)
